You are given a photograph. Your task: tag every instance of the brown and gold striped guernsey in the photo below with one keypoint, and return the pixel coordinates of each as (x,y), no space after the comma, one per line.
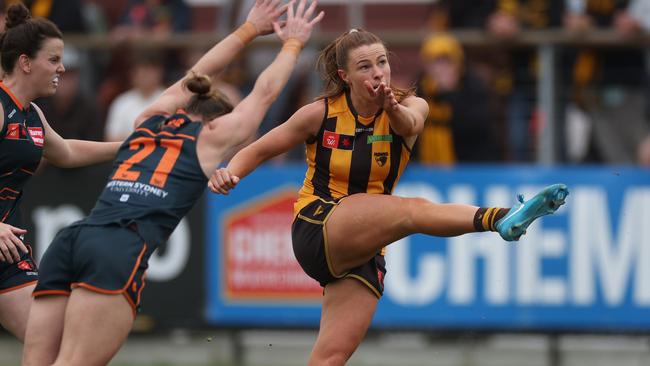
(351,154)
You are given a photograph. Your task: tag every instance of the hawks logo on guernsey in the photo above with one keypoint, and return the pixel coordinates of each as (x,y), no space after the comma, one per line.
(381,158)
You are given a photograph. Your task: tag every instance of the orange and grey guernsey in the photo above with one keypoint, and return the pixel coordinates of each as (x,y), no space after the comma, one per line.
(156,179)
(351,154)
(21,147)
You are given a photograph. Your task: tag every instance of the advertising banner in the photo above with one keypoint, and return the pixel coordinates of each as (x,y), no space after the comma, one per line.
(586,268)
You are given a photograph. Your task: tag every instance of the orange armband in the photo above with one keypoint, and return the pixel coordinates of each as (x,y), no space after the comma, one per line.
(292,45)
(246,32)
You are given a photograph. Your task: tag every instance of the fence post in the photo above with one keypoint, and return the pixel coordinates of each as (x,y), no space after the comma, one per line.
(547,103)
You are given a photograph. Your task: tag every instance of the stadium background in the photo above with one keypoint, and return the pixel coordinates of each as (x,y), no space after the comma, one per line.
(226,290)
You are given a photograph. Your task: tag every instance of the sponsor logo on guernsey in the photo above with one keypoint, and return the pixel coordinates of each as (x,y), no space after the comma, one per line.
(333,140)
(381,158)
(376,138)
(13,111)
(37,135)
(174,123)
(14,131)
(26,265)
(128,188)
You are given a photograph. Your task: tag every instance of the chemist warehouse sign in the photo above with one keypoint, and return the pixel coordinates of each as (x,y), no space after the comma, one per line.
(585,268)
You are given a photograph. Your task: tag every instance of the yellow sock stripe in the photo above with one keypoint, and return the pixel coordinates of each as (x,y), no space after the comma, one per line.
(486,218)
(494,215)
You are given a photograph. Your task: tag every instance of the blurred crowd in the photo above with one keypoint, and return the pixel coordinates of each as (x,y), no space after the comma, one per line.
(602,92)
(483,99)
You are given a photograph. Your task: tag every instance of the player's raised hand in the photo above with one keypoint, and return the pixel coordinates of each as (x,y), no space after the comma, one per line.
(264,13)
(383,96)
(299,23)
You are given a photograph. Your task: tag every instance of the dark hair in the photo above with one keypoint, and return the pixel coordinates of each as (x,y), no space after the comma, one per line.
(205,102)
(335,57)
(23,35)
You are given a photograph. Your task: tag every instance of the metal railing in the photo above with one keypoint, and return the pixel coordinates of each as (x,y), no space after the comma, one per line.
(545,41)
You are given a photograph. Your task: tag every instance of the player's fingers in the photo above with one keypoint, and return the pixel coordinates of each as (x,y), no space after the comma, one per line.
(317,19)
(216,188)
(215,182)
(227,179)
(290,10)
(300,11)
(20,245)
(5,253)
(13,250)
(277,29)
(310,10)
(211,186)
(389,94)
(219,182)
(17,230)
(283,8)
(369,88)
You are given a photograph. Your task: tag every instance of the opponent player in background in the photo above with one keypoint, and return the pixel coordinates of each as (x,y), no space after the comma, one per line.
(92,275)
(31,52)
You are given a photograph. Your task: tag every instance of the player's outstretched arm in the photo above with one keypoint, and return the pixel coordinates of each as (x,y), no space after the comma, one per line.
(259,21)
(246,117)
(248,114)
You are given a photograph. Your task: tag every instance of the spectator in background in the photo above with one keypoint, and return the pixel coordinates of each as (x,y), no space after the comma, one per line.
(95,18)
(515,76)
(142,20)
(152,18)
(610,85)
(66,14)
(459,126)
(72,113)
(147,84)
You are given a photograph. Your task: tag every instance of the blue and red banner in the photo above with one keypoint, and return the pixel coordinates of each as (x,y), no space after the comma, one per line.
(586,268)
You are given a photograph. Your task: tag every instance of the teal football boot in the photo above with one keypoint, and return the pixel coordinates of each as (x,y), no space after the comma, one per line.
(548,200)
